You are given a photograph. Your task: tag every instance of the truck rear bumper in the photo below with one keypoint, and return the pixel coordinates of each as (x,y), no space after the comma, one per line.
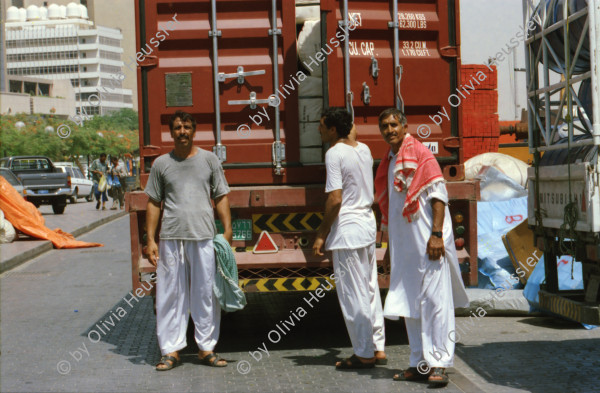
(288,270)
(47,198)
(570,306)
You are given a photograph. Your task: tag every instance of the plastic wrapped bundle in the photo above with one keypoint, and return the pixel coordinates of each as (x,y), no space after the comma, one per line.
(496,186)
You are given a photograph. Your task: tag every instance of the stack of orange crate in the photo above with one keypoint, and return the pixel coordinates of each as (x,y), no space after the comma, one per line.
(480,127)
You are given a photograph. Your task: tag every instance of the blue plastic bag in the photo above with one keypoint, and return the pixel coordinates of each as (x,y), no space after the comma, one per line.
(565,282)
(495,219)
(113,181)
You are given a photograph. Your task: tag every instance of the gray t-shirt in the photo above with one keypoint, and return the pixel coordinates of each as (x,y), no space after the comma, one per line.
(98,166)
(186,187)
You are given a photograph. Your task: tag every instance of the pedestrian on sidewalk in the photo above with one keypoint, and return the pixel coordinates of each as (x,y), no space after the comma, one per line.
(425,281)
(350,229)
(184,181)
(98,169)
(117,174)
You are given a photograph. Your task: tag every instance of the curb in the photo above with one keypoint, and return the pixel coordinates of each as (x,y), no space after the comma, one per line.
(47,245)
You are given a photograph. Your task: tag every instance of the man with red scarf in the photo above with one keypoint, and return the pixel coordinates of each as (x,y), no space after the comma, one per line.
(425,282)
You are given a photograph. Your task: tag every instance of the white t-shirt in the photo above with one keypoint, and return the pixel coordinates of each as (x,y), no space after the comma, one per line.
(350,169)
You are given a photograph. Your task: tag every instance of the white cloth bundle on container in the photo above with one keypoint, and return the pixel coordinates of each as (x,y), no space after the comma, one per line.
(309,135)
(311,155)
(510,166)
(307,12)
(312,86)
(309,109)
(309,43)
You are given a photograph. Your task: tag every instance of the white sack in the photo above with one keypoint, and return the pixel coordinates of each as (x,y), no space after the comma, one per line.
(510,166)
(7,231)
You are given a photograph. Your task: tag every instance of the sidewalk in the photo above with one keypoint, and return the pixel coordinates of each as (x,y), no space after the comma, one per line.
(78,219)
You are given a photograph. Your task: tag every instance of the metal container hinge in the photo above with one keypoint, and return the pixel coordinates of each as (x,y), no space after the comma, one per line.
(221,152)
(275,32)
(366,96)
(278,151)
(374,67)
(216,33)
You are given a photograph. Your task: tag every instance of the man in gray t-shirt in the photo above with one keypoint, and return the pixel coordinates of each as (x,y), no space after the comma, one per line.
(185,181)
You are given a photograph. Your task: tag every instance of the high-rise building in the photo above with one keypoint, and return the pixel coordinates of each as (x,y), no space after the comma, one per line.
(59,42)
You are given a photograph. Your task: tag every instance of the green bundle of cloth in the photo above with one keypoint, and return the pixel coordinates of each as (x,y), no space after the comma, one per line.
(226,288)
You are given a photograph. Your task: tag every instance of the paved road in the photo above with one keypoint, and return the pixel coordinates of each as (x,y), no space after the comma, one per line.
(52,305)
(77,219)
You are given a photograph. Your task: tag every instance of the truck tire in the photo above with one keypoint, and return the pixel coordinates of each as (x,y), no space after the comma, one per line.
(58,209)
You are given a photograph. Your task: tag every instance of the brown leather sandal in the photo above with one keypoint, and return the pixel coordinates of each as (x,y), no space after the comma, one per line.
(410,374)
(169,361)
(438,377)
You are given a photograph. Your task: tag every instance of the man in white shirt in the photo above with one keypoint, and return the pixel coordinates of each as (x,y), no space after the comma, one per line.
(425,281)
(350,223)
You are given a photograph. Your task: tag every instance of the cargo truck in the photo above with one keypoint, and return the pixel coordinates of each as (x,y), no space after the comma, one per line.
(563,73)
(256,75)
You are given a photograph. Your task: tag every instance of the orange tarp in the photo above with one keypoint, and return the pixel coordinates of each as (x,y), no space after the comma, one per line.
(25,217)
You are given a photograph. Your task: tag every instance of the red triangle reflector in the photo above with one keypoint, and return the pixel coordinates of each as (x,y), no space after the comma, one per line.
(265,244)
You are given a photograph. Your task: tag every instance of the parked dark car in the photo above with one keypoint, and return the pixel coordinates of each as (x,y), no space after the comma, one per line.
(43,183)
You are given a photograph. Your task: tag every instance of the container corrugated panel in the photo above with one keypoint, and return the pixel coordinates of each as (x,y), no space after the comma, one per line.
(180,77)
(428,52)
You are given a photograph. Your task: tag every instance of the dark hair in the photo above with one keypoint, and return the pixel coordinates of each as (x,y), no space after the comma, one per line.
(102,155)
(397,113)
(338,118)
(183,116)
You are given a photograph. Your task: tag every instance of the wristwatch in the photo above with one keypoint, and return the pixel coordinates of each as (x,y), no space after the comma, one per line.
(437,234)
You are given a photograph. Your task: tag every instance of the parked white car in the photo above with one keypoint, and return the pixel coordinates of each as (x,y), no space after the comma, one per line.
(80,186)
(12,180)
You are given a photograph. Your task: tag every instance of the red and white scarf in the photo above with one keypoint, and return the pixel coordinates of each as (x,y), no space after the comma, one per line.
(415,170)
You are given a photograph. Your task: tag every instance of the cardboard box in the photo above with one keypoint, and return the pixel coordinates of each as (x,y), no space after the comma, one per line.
(523,254)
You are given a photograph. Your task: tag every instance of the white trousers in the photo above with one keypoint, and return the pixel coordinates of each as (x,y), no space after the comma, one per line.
(184,282)
(431,337)
(358,293)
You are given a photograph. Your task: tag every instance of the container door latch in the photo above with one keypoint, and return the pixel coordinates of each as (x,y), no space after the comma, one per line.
(272,101)
(240,75)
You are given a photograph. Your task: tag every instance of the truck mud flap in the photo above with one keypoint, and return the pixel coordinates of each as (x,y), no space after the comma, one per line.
(569,308)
